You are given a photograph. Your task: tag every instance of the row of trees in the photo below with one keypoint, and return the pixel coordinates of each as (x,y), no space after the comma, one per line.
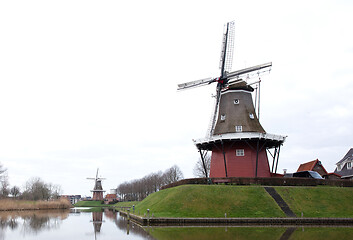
(138,189)
(34,189)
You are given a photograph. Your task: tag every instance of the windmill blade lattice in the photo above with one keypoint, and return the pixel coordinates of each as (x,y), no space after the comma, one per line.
(197,83)
(227,48)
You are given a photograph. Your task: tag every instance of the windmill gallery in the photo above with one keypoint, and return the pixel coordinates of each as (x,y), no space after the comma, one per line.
(238,142)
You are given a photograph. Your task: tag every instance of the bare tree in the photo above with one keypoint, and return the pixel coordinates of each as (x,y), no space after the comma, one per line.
(2,169)
(199,169)
(37,189)
(173,174)
(4,185)
(4,182)
(15,191)
(138,189)
(55,190)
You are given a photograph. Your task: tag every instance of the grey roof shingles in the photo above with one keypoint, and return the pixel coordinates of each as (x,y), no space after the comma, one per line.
(348,156)
(344,171)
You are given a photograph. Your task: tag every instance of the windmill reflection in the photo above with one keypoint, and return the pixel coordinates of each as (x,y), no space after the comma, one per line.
(121,222)
(97,220)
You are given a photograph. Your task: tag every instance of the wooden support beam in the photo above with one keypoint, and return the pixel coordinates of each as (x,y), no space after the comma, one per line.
(203,163)
(224,158)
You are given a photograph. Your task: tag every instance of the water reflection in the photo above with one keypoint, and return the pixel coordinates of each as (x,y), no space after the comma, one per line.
(31,222)
(103,224)
(125,225)
(251,232)
(121,222)
(288,233)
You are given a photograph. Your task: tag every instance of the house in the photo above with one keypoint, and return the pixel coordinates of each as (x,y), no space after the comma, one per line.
(72,198)
(332,176)
(344,166)
(110,198)
(315,165)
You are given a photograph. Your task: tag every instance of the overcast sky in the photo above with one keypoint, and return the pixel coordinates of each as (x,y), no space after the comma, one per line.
(92,84)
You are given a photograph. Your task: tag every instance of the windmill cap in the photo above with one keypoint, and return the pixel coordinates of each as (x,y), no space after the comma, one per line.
(239,85)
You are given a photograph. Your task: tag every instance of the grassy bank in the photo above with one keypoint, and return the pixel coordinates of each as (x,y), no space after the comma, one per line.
(90,204)
(100,204)
(210,201)
(247,201)
(126,204)
(319,201)
(14,205)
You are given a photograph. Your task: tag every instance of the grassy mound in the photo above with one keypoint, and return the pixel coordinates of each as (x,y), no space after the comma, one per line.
(126,204)
(210,201)
(319,201)
(90,204)
(247,201)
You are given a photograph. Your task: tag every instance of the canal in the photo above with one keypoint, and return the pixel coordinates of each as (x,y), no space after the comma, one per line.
(104,224)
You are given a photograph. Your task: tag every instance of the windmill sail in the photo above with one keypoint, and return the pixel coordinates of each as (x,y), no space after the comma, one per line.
(197,83)
(225,66)
(239,73)
(226,61)
(214,113)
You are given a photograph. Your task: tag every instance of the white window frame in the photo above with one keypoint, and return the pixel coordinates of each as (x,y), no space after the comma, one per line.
(349,165)
(339,167)
(239,152)
(239,128)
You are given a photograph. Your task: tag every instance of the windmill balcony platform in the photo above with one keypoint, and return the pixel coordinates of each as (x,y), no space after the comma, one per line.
(272,139)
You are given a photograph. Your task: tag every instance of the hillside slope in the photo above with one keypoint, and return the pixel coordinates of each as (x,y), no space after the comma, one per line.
(210,201)
(331,202)
(247,201)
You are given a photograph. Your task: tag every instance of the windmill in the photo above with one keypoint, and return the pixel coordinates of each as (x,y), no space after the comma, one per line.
(238,142)
(98,189)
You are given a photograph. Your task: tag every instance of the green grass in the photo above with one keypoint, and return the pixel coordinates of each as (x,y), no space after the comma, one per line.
(126,204)
(210,201)
(99,204)
(319,201)
(90,204)
(224,233)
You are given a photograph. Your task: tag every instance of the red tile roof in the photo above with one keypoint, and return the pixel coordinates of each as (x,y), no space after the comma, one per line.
(309,166)
(110,196)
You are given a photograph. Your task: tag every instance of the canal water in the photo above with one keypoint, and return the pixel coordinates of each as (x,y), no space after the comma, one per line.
(104,224)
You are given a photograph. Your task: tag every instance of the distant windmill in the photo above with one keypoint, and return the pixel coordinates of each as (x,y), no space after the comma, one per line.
(98,189)
(238,142)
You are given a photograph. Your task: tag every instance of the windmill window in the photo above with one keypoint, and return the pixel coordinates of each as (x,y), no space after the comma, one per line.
(349,165)
(223,117)
(236,101)
(251,115)
(239,152)
(238,128)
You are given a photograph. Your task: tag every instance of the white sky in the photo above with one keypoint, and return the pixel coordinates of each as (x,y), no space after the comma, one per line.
(87,84)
